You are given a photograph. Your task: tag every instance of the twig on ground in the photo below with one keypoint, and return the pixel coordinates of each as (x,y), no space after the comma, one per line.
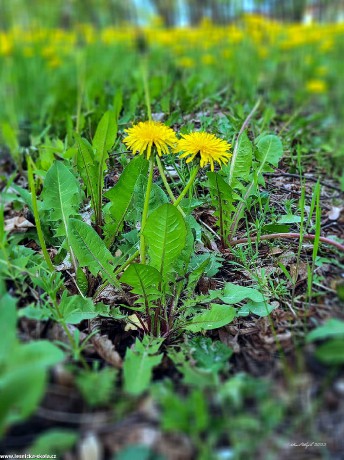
(242,129)
(307,177)
(274,236)
(296,192)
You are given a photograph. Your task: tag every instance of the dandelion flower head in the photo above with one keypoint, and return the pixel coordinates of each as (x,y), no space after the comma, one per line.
(146,135)
(210,148)
(316,86)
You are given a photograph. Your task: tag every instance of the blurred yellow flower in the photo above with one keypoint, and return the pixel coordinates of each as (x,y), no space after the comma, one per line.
(186,62)
(210,148)
(208,59)
(227,53)
(5,45)
(316,86)
(54,62)
(48,51)
(263,52)
(327,45)
(146,135)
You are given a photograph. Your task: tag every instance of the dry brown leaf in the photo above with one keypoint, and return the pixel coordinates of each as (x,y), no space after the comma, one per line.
(17,223)
(58,333)
(270,339)
(158,116)
(229,340)
(287,258)
(299,271)
(110,295)
(172,172)
(134,323)
(90,448)
(65,265)
(275,251)
(63,376)
(106,349)
(334,213)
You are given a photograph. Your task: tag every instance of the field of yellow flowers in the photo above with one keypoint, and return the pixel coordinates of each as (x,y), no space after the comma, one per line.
(78,71)
(171,241)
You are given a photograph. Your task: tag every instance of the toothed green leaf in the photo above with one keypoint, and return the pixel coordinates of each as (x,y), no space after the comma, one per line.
(165,234)
(60,196)
(90,250)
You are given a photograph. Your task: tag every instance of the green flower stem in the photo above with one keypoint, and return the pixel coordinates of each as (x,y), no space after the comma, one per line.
(116,272)
(145,209)
(98,205)
(187,186)
(126,263)
(164,179)
(144,69)
(36,213)
(167,185)
(81,71)
(138,252)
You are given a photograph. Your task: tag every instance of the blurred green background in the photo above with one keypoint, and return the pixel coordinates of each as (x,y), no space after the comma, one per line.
(62,64)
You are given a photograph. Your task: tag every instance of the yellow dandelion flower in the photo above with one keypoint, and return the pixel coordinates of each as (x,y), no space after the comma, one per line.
(5,45)
(186,62)
(208,59)
(227,53)
(148,134)
(210,148)
(327,45)
(316,86)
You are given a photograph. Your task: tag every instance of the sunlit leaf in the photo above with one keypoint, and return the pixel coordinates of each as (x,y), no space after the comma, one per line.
(61,195)
(165,234)
(214,318)
(90,250)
